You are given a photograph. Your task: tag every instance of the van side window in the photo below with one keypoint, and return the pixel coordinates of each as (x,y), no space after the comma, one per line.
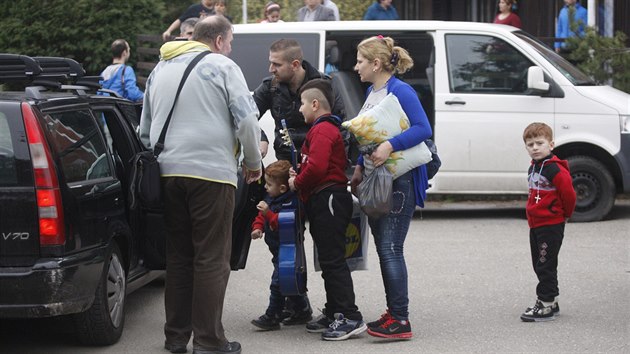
(485,64)
(77,142)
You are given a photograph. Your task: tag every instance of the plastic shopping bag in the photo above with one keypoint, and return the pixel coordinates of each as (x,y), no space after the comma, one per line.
(375,192)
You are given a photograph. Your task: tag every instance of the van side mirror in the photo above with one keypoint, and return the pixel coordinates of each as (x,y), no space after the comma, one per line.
(536,80)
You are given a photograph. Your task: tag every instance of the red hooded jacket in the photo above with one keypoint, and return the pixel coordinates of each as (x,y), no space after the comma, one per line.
(551,195)
(323,159)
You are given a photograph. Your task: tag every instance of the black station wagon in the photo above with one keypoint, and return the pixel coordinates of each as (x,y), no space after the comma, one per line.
(70,245)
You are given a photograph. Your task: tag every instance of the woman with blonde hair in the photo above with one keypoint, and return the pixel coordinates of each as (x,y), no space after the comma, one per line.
(505,15)
(378,60)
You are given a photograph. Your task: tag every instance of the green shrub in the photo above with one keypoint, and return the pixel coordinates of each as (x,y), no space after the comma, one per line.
(605,59)
(78,29)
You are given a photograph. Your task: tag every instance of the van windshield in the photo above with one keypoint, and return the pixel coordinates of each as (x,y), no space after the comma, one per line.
(567,69)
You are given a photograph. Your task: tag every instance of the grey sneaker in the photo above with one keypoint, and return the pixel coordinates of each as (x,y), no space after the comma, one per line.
(343,328)
(538,313)
(320,324)
(555,308)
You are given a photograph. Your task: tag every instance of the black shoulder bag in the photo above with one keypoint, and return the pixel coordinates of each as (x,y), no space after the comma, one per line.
(145,186)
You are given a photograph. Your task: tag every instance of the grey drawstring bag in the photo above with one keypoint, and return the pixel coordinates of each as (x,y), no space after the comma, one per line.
(375,192)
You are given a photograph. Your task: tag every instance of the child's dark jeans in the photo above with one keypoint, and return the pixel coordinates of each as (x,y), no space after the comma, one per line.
(545,242)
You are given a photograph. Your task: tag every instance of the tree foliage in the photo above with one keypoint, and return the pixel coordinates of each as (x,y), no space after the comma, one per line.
(78,29)
(605,59)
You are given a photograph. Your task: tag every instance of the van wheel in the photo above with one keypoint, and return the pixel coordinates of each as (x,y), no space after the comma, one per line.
(102,324)
(594,188)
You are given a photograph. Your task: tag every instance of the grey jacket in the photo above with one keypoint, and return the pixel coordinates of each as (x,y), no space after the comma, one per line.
(214,118)
(322,13)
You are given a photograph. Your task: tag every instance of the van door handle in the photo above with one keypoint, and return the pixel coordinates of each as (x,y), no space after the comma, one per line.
(455,102)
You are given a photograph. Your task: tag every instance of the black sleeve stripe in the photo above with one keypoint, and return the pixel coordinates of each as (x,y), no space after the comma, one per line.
(550,171)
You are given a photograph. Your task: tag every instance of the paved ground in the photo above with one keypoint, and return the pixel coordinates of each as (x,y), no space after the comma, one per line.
(470,278)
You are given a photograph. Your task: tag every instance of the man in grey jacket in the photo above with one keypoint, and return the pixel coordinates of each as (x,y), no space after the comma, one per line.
(215,114)
(315,11)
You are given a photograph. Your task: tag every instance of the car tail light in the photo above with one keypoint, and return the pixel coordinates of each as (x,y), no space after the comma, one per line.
(51,224)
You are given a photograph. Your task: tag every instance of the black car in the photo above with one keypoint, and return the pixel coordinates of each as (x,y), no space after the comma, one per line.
(70,244)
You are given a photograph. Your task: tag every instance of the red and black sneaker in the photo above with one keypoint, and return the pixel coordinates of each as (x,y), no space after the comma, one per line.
(384,317)
(392,328)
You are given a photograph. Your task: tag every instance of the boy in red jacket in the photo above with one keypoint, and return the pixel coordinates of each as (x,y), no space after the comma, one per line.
(550,203)
(322,186)
(266,222)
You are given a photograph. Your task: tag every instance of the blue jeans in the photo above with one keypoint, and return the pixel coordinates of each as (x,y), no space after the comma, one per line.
(389,233)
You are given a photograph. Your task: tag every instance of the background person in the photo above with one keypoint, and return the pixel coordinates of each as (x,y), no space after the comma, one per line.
(506,16)
(119,76)
(313,10)
(271,13)
(381,10)
(331,5)
(187,28)
(563,26)
(220,8)
(201,10)
(214,112)
(378,59)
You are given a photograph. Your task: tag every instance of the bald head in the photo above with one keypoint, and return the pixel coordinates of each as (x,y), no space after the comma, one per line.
(216,32)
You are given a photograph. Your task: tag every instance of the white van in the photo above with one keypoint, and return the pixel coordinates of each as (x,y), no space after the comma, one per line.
(481,85)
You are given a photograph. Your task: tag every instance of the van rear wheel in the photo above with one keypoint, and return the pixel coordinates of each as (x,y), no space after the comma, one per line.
(102,323)
(594,188)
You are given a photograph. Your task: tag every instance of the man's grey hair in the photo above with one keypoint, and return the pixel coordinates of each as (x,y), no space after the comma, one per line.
(211,27)
(188,23)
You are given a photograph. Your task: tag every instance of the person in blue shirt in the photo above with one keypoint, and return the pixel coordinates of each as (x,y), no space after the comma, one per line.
(563,28)
(381,10)
(120,77)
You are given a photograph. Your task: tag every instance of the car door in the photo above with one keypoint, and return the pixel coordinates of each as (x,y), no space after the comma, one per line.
(92,193)
(482,107)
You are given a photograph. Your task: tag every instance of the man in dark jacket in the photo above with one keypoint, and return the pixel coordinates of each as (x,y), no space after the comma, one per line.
(279,93)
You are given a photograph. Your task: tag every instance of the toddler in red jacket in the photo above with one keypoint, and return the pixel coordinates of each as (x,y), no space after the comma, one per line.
(266,223)
(550,203)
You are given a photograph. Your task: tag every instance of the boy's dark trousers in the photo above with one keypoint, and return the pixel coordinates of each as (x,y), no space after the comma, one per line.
(545,242)
(277,301)
(328,231)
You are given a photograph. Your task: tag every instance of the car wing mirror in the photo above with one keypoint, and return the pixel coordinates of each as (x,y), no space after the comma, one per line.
(536,80)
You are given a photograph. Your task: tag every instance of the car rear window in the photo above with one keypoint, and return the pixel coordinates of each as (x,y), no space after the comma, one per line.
(8,171)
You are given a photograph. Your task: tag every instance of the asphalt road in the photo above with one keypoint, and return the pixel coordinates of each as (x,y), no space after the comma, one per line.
(470,278)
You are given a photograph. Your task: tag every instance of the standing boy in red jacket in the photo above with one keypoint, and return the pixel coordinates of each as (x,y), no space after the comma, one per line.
(550,203)
(322,186)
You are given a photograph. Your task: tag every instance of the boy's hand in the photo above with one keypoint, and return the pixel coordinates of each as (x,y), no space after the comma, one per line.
(263,207)
(357,178)
(292,183)
(256,234)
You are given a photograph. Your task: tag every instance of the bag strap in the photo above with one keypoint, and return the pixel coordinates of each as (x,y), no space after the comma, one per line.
(159,146)
(122,81)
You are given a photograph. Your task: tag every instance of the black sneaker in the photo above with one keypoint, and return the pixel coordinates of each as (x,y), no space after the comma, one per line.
(392,328)
(343,328)
(299,318)
(555,308)
(384,317)
(320,324)
(175,348)
(229,347)
(268,323)
(539,313)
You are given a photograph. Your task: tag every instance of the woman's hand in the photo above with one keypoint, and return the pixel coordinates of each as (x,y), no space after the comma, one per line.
(381,154)
(357,177)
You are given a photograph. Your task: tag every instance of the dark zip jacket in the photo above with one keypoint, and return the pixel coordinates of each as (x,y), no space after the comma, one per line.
(285,104)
